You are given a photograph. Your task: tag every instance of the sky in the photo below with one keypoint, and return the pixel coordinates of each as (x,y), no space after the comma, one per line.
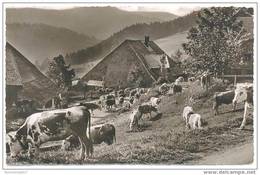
(179,9)
(176,9)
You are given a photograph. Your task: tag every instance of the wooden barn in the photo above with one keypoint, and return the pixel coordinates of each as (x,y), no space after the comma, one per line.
(24,81)
(133,63)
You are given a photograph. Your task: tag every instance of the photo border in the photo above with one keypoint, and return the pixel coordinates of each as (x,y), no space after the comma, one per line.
(129,166)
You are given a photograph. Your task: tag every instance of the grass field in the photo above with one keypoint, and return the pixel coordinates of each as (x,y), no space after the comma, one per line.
(165,141)
(172,43)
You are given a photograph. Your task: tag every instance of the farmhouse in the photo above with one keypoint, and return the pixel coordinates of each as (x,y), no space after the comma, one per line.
(24,80)
(133,63)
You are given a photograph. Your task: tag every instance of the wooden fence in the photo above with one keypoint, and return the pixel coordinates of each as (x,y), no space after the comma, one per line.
(249,76)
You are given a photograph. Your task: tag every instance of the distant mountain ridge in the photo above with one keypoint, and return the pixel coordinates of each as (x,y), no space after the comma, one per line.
(155,30)
(100,22)
(41,41)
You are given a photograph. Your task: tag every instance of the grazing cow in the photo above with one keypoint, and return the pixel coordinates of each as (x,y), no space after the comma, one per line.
(176,88)
(108,90)
(222,98)
(52,126)
(244,93)
(164,88)
(133,92)
(110,101)
(127,105)
(147,109)
(205,80)
(131,100)
(179,80)
(192,120)
(141,91)
(121,93)
(155,101)
(137,96)
(191,79)
(138,113)
(121,101)
(101,101)
(127,91)
(99,133)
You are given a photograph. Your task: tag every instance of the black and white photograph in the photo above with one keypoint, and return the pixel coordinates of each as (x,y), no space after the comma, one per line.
(145,85)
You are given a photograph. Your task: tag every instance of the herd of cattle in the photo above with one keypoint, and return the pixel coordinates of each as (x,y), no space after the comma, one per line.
(73,124)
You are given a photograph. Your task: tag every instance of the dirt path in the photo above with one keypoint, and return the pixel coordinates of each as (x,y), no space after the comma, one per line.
(237,155)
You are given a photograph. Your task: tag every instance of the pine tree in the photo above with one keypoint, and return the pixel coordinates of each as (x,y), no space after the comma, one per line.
(60,73)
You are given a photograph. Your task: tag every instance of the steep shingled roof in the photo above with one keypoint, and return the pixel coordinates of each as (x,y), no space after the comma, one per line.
(141,52)
(13,76)
(20,71)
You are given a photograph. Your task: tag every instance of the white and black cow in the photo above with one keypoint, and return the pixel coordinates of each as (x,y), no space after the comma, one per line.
(179,80)
(52,126)
(164,88)
(155,101)
(244,93)
(121,101)
(139,112)
(191,79)
(133,92)
(100,133)
(222,98)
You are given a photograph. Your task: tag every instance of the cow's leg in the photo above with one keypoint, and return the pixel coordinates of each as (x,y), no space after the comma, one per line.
(82,150)
(199,123)
(89,146)
(186,122)
(234,105)
(29,152)
(150,115)
(244,117)
(37,150)
(216,110)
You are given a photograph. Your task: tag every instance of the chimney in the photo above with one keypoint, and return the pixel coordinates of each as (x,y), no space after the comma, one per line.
(146,41)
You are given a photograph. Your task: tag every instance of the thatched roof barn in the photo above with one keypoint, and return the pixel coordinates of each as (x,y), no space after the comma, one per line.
(24,80)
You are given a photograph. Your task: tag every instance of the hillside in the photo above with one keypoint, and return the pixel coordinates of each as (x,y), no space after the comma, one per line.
(165,141)
(100,22)
(172,43)
(45,41)
(138,31)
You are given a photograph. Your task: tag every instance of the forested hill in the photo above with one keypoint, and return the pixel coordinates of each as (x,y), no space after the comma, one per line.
(138,31)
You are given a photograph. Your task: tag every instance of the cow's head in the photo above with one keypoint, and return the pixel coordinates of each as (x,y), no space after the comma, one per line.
(17,145)
(241,94)
(108,133)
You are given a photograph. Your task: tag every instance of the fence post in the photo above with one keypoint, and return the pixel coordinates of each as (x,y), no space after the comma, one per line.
(235,80)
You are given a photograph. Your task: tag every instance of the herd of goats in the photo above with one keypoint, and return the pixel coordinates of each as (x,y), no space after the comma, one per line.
(72,125)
